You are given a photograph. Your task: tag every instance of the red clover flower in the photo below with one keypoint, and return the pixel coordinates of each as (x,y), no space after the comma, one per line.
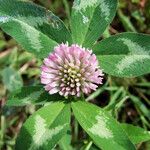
(71,70)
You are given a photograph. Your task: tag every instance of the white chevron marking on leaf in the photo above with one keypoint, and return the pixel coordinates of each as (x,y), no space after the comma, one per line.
(85,19)
(4,19)
(42,133)
(100,127)
(83,4)
(36,21)
(105,9)
(134,47)
(33,95)
(137,53)
(33,36)
(40,130)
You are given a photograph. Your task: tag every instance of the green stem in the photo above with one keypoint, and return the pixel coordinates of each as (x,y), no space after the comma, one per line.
(89,145)
(67,8)
(2,131)
(76,130)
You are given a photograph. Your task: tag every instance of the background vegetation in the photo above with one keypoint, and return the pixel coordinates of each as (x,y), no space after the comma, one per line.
(128,99)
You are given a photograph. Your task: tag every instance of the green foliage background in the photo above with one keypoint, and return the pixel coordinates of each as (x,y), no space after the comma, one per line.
(128,99)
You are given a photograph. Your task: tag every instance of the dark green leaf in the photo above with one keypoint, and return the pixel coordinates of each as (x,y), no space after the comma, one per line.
(44,128)
(101,127)
(31,95)
(34,27)
(124,55)
(90,19)
(65,142)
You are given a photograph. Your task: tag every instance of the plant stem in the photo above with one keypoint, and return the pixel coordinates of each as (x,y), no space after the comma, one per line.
(76,130)
(89,145)
(67,8)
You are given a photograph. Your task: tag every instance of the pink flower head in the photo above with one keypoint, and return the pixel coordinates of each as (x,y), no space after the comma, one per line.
(71,70)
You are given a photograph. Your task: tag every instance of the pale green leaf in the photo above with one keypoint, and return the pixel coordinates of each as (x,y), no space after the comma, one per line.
(44,128)
(11,79)
(136,134)
(101,127)
(124,55)
(89,19)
